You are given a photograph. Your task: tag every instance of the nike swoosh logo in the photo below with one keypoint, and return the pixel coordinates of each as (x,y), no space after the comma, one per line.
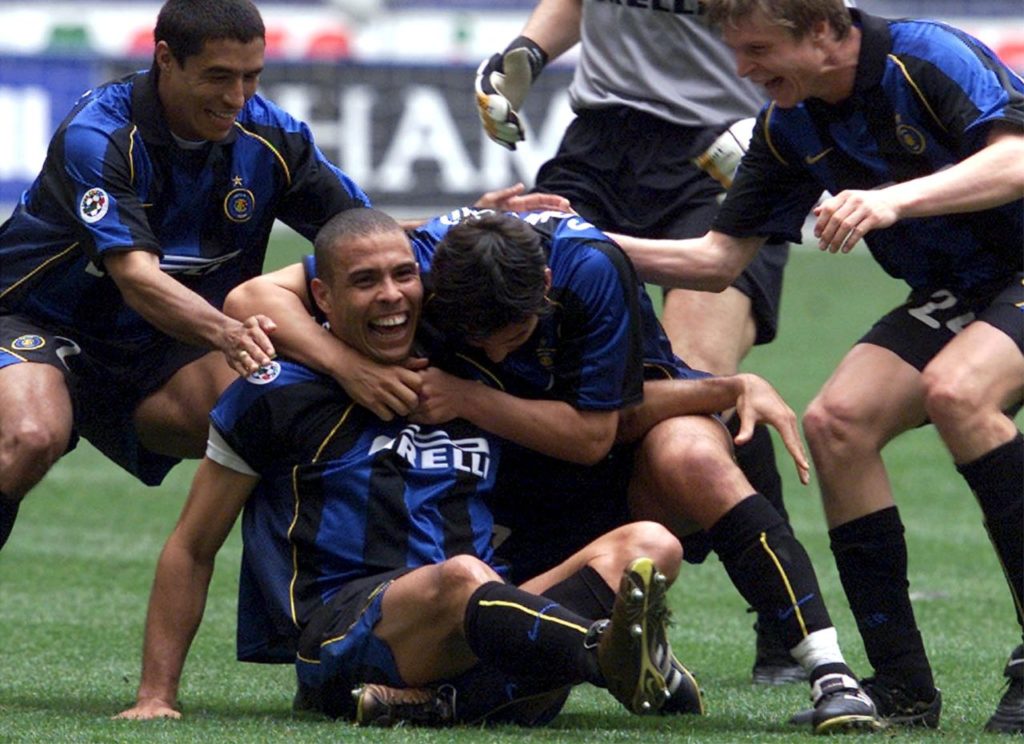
(812,159)
(70,348)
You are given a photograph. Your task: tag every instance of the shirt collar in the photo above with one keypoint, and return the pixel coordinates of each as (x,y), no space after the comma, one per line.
(875,46)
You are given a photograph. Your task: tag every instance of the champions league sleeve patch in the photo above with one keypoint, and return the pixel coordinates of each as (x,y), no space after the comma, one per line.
(94,205)
(265,374)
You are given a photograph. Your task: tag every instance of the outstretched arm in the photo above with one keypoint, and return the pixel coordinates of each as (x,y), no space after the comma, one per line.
(182,581)
(709,263)
(181,313)
(991,177)
(754,399)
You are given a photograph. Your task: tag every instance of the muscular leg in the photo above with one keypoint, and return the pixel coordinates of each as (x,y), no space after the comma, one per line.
(872,397)
(686,479)
(35,427)
(174,420)
(968,385)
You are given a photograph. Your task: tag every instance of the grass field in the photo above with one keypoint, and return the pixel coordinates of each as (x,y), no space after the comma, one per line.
(74,581)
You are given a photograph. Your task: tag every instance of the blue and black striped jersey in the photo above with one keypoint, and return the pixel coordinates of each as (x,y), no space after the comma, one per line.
(342,495)
(116,179)
(925,97)
(603,337)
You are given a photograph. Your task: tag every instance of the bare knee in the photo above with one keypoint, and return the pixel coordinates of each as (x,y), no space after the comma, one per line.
(651,540)
(458,577)
(29,446)
(833,426)
(949,399)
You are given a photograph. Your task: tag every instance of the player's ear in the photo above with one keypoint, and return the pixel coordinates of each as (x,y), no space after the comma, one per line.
(321,295)
(547,279)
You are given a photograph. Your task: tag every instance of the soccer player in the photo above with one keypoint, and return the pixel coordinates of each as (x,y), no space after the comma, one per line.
(577,337)
(660,124)
(157,197)
(367,552)
(916,128)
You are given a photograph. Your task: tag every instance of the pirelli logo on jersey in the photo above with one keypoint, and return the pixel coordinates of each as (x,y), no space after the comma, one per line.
(435,450)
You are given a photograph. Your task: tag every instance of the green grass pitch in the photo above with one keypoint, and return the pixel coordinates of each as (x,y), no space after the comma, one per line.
(75,577)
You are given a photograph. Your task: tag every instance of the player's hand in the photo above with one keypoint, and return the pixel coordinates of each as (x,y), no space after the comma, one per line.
(440,397)
(760,403)
(850,215)
(502,82)
(514,199)
(247,345)
(723,157)
(388,390)
(145,710)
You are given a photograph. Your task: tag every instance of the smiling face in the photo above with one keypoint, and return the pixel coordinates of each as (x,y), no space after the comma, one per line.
(373,296)
(790,69)
(202,97)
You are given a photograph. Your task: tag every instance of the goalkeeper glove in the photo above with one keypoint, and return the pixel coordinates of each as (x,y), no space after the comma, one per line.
(721,160)
(501,86)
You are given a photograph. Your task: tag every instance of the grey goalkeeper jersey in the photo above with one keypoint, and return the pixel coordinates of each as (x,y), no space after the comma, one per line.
(661,58)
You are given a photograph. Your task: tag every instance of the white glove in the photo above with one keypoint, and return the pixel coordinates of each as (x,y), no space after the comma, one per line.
(502,83)
(721,160)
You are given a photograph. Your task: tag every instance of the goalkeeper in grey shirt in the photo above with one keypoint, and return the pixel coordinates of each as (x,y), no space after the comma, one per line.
(661,123)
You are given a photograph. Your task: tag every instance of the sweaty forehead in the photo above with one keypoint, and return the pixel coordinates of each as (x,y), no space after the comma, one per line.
(378,251)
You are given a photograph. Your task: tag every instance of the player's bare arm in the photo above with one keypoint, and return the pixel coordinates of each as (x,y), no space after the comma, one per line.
(754,398)
(181,313)
(181,585)
(710,263)
(386,389)
(551,427)
(989,178)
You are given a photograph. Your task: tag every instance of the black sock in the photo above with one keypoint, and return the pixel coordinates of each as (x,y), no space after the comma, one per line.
(527,635)
(8,513)
(585,593)
(871,555)
(756,459)
(488,695)
(997,479)
(770,568)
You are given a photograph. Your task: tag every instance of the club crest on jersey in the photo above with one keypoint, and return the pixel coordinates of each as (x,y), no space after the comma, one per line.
(94,205)
(265,374)
(910,138)
(239,205)
(28,342)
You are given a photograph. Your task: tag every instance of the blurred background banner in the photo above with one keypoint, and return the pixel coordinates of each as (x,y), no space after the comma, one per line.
(386,85)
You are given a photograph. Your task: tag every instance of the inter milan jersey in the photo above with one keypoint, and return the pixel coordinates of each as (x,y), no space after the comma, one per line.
(602,337)
(342,495)
(925,97)
(115,179)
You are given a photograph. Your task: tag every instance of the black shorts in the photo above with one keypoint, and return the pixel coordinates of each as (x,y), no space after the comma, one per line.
(630,172)
(106,385)
(917,330)
(548,509)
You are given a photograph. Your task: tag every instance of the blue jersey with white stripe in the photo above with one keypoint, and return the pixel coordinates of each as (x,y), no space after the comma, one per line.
(925,97)
(342,495)
(603,336)
(115,179)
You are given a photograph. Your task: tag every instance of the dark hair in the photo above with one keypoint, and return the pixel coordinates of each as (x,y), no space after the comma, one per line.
(799,16)
(186,25)
(487,273)
(343,227)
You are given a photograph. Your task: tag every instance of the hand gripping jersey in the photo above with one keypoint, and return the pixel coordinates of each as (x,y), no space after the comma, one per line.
(603,337)
(342,495)
(115,179)
(924,98)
